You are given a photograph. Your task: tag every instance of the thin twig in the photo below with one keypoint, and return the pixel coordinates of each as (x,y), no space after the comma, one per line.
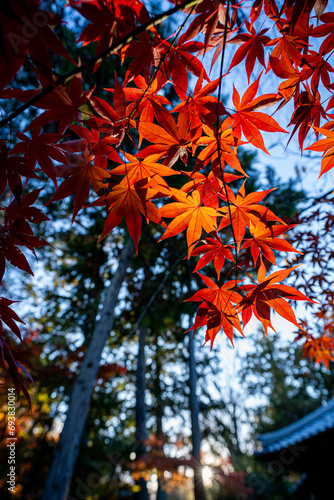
(157,69)
(156,293)
(316,200)
(218,143)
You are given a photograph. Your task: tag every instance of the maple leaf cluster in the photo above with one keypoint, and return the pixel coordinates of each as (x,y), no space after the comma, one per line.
(190,142)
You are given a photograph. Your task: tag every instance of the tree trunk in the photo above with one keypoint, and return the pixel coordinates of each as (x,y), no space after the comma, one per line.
(236,441)
(159,411)
(141,431)
(195,430)
(60,474)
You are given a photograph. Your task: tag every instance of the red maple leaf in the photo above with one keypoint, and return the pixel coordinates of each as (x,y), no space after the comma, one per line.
(12,168)
(8,316)
(80,175)
(327,28)
(62,104)
(318,68)
(269,7)
(267,295)
(40,148)
(102,25)
(215,251)
(142,49)
(264,239)
(21,36)
(283,68)
(100,143)
(249,121)
(16,231)
(210,187)
(287,47)
(175,61)
(131,201)
(217,310)
(251,48)
(212,20)
(201,106)
(144,98)
(113,123)
(108,21)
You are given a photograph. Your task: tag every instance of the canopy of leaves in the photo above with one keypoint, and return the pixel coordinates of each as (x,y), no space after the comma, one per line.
(146,138)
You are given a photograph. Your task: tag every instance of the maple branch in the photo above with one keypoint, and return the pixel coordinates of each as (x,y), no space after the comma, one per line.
(102,55)
(316,200)
(156,292)
(217,139)
(162,61)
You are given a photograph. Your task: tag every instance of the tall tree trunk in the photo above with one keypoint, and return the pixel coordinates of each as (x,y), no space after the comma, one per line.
(60,474)
(161,494)
(141,430)
(236,452)
(158,392)
(195,430)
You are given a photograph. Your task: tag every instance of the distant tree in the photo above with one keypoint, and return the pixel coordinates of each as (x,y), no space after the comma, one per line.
(278,391)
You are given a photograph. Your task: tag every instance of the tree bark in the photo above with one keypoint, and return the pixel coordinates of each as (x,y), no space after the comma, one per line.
(60,473)
(141,430)
(159,412)
(195,429)
(236,452)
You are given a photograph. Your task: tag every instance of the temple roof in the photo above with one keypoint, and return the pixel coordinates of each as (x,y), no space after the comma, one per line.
(311,425)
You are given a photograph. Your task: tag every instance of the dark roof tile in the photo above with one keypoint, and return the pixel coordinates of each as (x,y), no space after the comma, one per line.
(312,424)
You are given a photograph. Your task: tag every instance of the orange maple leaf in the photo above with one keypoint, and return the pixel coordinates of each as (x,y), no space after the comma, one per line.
(144,98)
(227,145)
(137,169)
(319,349)
(327,146)
(131,201)
(244,210)
(287,47)
(171,141)
(188,213)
